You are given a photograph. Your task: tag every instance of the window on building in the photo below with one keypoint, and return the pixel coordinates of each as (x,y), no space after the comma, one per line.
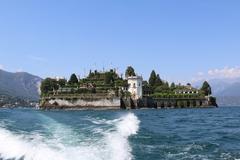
(134,85)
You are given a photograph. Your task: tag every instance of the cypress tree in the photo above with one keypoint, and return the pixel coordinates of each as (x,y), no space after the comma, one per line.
(172,85)
(159,81)
(152,78)
(73,79)
(206,88)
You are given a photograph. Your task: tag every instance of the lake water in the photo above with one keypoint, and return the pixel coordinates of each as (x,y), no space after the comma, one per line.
(171,134)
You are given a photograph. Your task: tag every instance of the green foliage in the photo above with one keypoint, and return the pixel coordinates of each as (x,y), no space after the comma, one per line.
(73,79)
(147,89)
(145,83)
(162,89)
(173,95)
(126,94)
(106,82)
(152,78)
(172,86)
(206,89)
(158,81)
(95,75)
(130,72)
(155,80)
(213,101)
(109,78)
(96,82)
(156,84)
(166,84)
(121,83)
(62,82)
(48,85)
(45,86)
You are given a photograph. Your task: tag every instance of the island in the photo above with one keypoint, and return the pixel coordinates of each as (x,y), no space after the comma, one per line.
(109,90)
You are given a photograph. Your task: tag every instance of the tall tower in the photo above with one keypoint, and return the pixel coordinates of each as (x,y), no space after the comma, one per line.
(135,87)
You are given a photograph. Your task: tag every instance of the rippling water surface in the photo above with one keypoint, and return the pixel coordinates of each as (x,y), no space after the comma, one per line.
(27,134)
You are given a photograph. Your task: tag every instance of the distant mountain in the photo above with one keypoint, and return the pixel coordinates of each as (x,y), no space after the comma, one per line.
(227,91)
(20,84)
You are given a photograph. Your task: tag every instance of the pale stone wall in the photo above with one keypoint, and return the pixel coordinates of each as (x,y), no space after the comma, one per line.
(84,103)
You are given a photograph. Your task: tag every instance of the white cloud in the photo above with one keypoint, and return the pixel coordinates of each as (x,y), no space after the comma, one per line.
(1,66)
(223,73)
(226,72)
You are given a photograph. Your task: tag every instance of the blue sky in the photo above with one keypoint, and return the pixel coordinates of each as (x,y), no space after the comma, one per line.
(180,39)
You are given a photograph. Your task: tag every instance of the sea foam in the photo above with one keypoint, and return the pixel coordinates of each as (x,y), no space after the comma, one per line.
(113,146)
(118,140)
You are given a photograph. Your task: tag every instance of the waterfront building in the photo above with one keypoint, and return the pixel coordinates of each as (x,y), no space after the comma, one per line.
(135,87)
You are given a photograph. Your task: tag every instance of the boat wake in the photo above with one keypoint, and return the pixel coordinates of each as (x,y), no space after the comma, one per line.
(112,145)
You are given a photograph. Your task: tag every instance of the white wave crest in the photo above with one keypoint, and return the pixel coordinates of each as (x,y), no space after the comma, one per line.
(113,146)
(118,141)
(13,146)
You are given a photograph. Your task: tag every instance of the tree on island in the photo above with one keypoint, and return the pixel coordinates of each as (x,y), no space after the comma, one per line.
(172,86)
(73,79)
(159,81)
(162,89)
(130,72)
(62,82)
(206,88)
(152,79)
(48,85)
(109,79)
(166,84)
(45,86)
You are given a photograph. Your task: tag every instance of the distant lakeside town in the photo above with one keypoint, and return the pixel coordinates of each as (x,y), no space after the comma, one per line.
(109,90)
